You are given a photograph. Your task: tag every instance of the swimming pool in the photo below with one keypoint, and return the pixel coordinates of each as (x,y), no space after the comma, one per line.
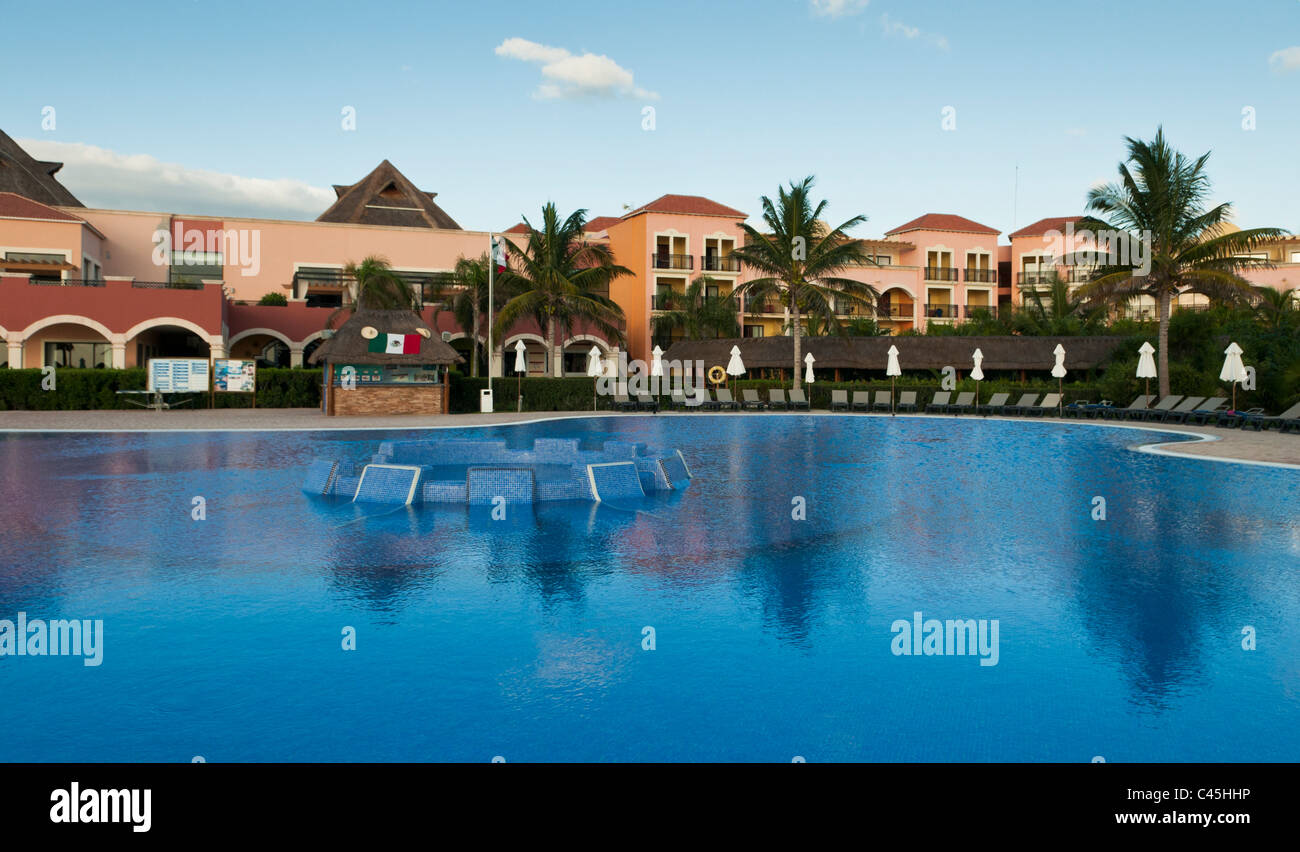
(773,637)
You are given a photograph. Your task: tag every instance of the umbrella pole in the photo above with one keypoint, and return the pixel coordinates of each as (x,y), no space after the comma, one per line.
(1060,396)
(519,393)
(891,396)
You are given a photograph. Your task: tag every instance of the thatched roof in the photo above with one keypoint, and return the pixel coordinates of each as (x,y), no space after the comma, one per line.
(31,178)
(1008,352)
(348,346)
(387,197)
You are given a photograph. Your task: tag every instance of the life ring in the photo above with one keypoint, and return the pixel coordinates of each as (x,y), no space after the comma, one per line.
(717,374)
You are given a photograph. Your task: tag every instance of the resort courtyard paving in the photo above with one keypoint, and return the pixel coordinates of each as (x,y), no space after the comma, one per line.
(1229,444)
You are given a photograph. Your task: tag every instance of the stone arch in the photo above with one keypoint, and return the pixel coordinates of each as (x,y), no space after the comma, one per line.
(72,319)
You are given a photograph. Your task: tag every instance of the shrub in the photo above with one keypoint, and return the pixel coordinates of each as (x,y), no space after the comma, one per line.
(539,393)
(83,390)
(277,299)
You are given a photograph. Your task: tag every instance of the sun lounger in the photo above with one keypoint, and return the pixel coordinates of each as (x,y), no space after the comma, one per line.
(1203,412)
(884,401)
(1178,412)
(1139,404)
(678,400)
(1157,410)
(1230,419)
(1022,407)
(1050,404)
(646,402)
(750,401)
(699,398)
(862,400)
(1263,421)
(724,401)
(839,400)
(776,400)
(996,405)
(622,403)
(798,401)
(940,402)
(907,401)
(965,402)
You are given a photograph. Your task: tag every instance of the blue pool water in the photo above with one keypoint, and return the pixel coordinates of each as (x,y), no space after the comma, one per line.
(523,638)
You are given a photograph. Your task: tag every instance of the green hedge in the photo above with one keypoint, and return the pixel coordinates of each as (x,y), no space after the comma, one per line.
(83,390)
(539,393)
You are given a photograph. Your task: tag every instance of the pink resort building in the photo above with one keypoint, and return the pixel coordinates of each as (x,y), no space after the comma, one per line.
(92,287)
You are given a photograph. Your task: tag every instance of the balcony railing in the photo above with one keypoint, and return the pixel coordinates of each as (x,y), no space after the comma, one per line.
(986,276)
(941,311)
(66,282)
(663,302)
(167,285)
(1079,274)
(895,311)
(941,273)
(716,263)
(1039,277)
(971,310)
(672,261)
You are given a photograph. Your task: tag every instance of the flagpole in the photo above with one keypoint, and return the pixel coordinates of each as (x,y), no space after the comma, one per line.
(492,268)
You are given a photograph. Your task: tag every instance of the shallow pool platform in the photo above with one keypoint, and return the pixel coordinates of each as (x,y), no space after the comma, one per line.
(479,472)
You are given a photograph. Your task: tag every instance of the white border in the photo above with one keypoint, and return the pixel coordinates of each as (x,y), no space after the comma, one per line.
(415,480)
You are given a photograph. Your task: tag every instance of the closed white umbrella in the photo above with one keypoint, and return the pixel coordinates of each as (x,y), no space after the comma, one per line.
(735,367)
(892,370)
(657,362)
(1058,370)
(808,370)
(595,369)
(521,367)
(978,375)
(1233,370)
(1147,364)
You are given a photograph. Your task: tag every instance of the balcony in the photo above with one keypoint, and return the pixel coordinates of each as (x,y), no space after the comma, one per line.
(167,285)
(895,312)
(933,311)
(983,276)
(972,310)
(716,263)
(1033,279)
(665,301)
(941,273)
(66,282)
(1079,274)
(672,261)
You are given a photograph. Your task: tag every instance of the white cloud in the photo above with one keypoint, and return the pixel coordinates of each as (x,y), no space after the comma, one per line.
(837,8)
(103,178)
(1287,59)
(565,75)
(895,27)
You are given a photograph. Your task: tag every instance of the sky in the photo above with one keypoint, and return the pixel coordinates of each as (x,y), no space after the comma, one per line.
(1001,112)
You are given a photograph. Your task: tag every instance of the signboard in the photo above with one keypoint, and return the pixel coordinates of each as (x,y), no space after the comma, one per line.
(178,375)
(375,374)
(234,376)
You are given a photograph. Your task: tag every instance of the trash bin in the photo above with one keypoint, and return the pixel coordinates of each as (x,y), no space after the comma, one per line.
(485,400)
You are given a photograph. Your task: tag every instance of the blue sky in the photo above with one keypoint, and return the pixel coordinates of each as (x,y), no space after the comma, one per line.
(243,102)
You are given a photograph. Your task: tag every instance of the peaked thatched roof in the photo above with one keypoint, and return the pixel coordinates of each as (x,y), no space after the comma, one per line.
(348,346)
(387,197)
(1008,352)
(31,178)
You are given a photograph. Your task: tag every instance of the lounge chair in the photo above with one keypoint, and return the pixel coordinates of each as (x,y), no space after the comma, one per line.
(839,400)
(939,404)
(862,400)
(776,400)
(1022,407)
(799,402)
(1282,421)
(1049,405)
(1094,410)
(1157,410)
(1203,412)
(1229,419)
(1178,412)
(884,401)
(622,403)
(907,401)
(678,400)
(1139,404)
(724,401)
(699,398)
(965,402)
(1076,408)
(646,402)
(750,401)
(996,405)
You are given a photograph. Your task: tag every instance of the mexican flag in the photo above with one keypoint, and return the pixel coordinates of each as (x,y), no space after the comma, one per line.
(499,254)
(396,344)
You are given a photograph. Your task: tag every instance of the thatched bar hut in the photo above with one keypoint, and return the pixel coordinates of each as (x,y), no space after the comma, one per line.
(385,362)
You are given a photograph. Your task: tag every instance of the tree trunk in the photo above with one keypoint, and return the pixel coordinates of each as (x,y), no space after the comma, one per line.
(473,366)
(550,347)
(798,336)
(1163,365)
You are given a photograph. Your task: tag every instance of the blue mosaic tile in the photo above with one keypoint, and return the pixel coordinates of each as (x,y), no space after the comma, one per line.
(392,485)
(320,476)
(486,483)
(615,481)
(674,471)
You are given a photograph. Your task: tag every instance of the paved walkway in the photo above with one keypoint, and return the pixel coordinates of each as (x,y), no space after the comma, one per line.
(1229,444)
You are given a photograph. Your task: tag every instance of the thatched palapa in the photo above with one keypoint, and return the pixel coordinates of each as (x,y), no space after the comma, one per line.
(350,346)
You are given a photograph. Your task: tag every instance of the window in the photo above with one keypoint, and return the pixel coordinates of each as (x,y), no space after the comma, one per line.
(79,354)
(753,331)
(884,260)
(195,266)
(1295,257)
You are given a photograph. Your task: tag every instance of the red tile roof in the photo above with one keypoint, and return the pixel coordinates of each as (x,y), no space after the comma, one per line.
(943,222)
(1042,226)
(600,223)
(521,228)
(14,206)
(695,205)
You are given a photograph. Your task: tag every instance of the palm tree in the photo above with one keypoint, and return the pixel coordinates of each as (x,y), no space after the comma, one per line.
(697,315)
(560,278)
(1162,195)
(1277,309)
(469,300)
(801,258)
(375,285)
(1056,310)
